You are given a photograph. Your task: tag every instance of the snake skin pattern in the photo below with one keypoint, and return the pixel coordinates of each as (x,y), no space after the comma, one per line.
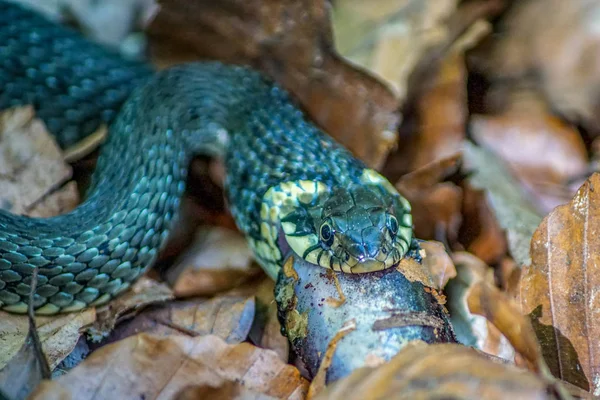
(93,253)
(75,85)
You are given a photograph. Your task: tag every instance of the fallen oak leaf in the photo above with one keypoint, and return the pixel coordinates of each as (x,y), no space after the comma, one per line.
(436,204)
(29,366)
(471,329)
(155,367)
(143,292)
(58,334)
(228,317)
(559,290)
(524,130)
(555,62)
(226,391)
(31,163)
(514,212)
(480,231)
(422,371)
(218,259)
(266,329)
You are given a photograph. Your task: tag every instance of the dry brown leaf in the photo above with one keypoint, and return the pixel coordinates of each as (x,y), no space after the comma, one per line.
(474,330)
(523,132)
(485,299)
(559,60)
(436,205)
(31,163)
(58,202)
(433,272)
(218,260)
(388,37)
(266,331)
(559,291)
(58,334)
(226,391)
(438,371)
(146,366)
(442,112)
(292,42)
(143,292)
(481,233)
(438,262)
(511,207)
(228,317)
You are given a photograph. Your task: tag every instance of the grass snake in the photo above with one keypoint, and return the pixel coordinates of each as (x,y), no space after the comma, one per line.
(289,186)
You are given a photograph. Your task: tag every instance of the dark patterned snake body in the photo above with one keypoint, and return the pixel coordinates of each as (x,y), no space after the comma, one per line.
(290,187)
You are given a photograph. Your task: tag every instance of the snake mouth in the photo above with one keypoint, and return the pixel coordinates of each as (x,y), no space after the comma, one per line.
(368,265)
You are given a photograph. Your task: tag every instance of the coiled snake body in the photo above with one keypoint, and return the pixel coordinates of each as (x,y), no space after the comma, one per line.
(290,187)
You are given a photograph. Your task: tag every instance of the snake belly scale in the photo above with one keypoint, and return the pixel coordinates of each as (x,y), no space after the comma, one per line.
(289,186)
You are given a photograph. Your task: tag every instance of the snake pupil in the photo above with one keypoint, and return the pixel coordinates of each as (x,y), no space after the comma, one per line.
(327,234)
(393,224)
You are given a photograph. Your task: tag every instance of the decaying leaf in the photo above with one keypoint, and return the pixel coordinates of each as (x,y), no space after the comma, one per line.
(388,37)
(555,61)
(485,299)
(436,371)
(266,330)
(58,202)
(58,334)
(228,317)
(142,293)
(441,113)
(292,42)
(146,366)
(436,205)
(31,163)
(27,368)
(559,291)
(439,263)
(524,131)
(480,231)
(433,272)
(511,206)
(471,329)
(226,391)
(218,260)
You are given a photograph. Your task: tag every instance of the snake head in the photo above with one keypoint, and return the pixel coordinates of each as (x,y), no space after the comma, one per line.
(355,229)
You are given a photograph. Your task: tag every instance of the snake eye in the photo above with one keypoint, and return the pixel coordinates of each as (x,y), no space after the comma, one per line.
(392,224)
(326,233)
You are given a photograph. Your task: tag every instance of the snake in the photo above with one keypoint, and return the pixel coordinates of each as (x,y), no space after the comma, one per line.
(290,187)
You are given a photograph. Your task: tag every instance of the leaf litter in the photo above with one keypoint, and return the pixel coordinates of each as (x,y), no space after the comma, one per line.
(455,157)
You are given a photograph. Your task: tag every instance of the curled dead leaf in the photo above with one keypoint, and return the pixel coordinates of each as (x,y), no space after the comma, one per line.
(559,291)
(218,259)
(523,131)
(511,206)
(143,292)
(555,61)
(228,317)
(423,371)
(471,329)
(159,368)
(31,163)
(436,204)
(58,334)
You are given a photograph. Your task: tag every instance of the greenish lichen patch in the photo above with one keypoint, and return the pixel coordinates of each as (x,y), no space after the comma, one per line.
(296,325)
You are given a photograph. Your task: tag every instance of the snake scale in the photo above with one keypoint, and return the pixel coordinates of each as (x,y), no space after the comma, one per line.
(289,186)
